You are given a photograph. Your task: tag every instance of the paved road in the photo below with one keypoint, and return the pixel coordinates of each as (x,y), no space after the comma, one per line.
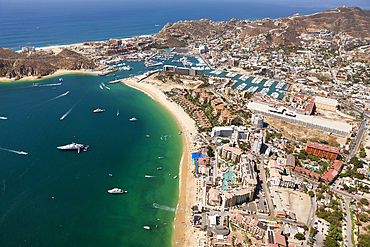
(356,143)
(349,222)
(265,188)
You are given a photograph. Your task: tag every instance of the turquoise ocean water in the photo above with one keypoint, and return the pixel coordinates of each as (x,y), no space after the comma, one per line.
(55,198)
(59,198)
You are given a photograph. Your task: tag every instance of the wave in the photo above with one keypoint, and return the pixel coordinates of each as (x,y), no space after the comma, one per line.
(14,151)
(164,207)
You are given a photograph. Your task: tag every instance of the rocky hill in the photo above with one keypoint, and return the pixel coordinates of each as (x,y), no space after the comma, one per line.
(352,21)
(17,65)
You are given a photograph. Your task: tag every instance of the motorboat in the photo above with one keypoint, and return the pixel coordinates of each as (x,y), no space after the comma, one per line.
(74,146)
(175,177)
(116,191)
(159,168)
(133,119)
(3,118)
(98,110)
(147,228)
(160,157)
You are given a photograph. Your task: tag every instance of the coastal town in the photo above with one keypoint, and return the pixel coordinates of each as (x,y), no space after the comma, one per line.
(276,136)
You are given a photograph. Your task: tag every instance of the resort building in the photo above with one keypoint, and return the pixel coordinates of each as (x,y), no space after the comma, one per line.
(231,153)
(322,150)
(237,196)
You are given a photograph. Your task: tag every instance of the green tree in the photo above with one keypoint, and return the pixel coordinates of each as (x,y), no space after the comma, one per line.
(310,193)
(364,201)
(363,240)
(330,242)
(299,236)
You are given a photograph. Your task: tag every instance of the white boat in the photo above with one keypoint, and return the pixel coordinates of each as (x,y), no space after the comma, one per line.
(264,91)
(231,74)
(3,118)
(116,191)
(280,85)
(147,227)
(98,110)
(159,168)
(126,68)
(275,95)
(74,146)
(101,87)
(133,119)
(175,177)
(60,79)
(268,83)
(117,112)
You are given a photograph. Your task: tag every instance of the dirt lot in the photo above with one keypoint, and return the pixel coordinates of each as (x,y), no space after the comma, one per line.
(298,202)
(298,132)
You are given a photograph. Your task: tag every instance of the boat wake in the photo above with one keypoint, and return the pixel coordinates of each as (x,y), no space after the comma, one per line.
(14,151)
(64,94)
(46,85)
(69,111)
(3,186)
(148,176)
(164,207)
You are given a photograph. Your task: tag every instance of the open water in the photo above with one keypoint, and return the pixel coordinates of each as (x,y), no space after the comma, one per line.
(58,198)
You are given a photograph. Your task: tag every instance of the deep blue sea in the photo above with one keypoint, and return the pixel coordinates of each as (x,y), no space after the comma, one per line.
(51,22)
(55,198)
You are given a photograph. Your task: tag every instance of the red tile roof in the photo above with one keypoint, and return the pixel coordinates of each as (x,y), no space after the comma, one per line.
(330,175)
(337,164)
(322,147)
(280,240)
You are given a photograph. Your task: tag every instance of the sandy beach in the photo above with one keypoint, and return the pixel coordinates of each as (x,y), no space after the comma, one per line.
(183,231)
(57,73)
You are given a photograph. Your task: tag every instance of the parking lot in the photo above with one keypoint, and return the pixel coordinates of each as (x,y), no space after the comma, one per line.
(322,229)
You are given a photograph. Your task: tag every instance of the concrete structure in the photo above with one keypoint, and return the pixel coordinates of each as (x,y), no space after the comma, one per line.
(203,49)
(237,197)
(322,150)
(231,153)
(182,71)
(226,131)
(326,103)
(326,125)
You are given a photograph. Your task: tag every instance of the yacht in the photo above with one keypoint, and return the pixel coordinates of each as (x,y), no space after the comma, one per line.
(116,191)
(147,227)
(133,119)
(74,146)
(98,110)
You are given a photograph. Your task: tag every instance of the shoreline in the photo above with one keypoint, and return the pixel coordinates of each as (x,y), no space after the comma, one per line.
(57,73)
(183,234)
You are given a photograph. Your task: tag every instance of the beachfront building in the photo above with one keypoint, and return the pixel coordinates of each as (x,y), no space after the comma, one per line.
(230,153)
(224,131)
(322,150)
